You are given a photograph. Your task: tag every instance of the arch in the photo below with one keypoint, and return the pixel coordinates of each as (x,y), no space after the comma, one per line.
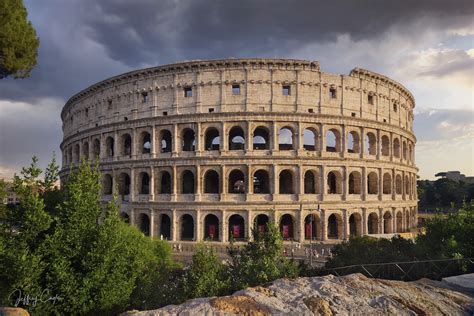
(353,142)
(76,153)
(387,183)
(211,227)
(165,226)
(96,148)
(261,222)
(310,139)
(372,183)
(385,145)
(334,182)
(236,182)
(355,224)
(212,139)
(312,227)
(355,181)
(126,142)
(107,184)
(387,223)
(69,155)
(144,224)
(145,142)
(144,183)
(188,185)
(261,138)
(333,140)
(166,141)
(370,144)
(261,182)
(399,222)
(373,223)
(398,184)
(407,186)
(236,227)
(286,182)
(211,182)
(311,183)
(85,150)
(285,138)
(287,227)
(236,138)
(188,140)
(187,227)
(165,182)
(335,226)
(404,150)
(124,184)
(396,148)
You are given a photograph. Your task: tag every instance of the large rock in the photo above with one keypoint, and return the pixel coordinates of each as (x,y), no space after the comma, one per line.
(353,294)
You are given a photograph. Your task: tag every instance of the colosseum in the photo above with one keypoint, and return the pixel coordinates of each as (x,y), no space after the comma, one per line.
(209,150)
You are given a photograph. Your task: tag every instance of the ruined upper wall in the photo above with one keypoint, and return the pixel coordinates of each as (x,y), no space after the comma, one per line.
(262,83)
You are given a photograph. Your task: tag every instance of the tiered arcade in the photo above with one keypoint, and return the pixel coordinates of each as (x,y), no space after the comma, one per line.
(207,150)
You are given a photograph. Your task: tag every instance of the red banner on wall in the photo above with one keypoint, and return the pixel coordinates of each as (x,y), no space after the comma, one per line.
(308,231)
(212,231)
(286,231)
(236,231)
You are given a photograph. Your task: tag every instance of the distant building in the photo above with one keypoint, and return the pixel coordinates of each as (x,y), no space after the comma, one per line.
(455,176)
(11,198)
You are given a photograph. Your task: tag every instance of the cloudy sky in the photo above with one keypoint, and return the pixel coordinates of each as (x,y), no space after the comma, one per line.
(428,46)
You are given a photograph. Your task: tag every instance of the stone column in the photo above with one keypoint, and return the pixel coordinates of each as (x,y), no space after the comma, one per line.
(380,184)
(275,136)
(117,146)
(199,139)
(249,138)
(364,221)
(364,184)
(152,184)
(300,191)
(174,226)
(153,141)
(324,233)
(343,139)
(152,223)
(300,138)
(362,142)
(276,181)
(175,145)
(345,183)
(198,227)
(249,182)
(174,186)
(345,225)
(223,183)
(379,144)
(132,185)
(323,182)
(197,195)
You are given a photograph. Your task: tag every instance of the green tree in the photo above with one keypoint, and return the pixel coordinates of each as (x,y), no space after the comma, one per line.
(206,276)
(18,41)
(260,260)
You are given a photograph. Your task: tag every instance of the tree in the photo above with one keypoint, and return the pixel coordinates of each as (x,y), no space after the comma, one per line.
(18,41)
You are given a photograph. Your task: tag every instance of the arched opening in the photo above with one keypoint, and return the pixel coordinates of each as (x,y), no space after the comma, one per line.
(373,223)
(261,183)
(286,227)
(211,227)
(353,142)
(385,145)
(124,184)
(354,182)
(286,182)
(407,186)
(404,150)
(370,144)
(77,153)
(144,224)
(96,148)
(261,222)
(166,141)
(85,150)
(212,139)
(410,152)
(236,182)
(372,183)
(399,222)
(396,148)
(69,155)
(285,139)
(165,183)
(236,228)
(126,145)
(188,182)
(355,224)
(187,227)
(144,183)
(311,227)
(211,182)
(107,184)
(387,183)
(261,139)
(311,182)
(188,140)
(310,139)
(146,143)
(387,223)
(334,183)
(398,184)
(333,140)
(407,221)
(236,138)
(165,226)
(334,226)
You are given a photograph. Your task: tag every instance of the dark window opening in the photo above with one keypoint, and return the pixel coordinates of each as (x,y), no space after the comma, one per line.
(260,139)
(145,97)
(353,114)
(332,93)
(165,227)
(370,99)
(165,141)
(188,92)
(235,89)
(236,182)
(165,113)
(236,228)
(286,90)
(211,110)
(236,138)
(165,183)
(310,110)
(261,182)
(286,182)
(188,182)
(211,182)
(212,139)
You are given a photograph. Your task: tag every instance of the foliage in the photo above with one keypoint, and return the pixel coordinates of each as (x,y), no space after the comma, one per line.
(206,275)
(443,192)
(260,260)
(18,41)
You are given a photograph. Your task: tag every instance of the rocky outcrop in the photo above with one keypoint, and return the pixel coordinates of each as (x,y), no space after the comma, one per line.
(353,294)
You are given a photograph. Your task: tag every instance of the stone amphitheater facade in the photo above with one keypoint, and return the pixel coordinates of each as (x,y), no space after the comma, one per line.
(208,150)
